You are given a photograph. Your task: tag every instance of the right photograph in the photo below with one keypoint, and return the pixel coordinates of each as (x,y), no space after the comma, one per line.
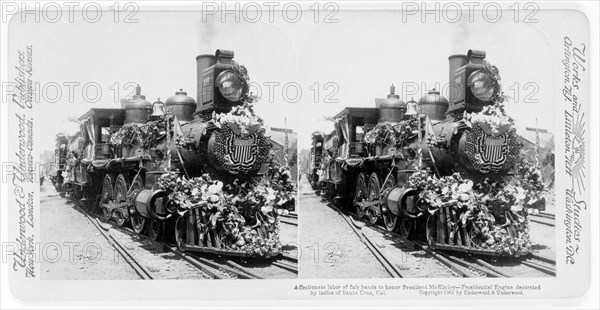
(434,177)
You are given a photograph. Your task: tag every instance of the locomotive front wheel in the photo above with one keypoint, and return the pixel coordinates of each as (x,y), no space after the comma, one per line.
(361,193)
(107,194)
(390,220)
(120,192)
(138,222)
(374,194)
(406,227)
(155,229)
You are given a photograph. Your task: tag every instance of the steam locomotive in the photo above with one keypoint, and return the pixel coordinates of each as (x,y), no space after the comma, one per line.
(438,167)
(164,167)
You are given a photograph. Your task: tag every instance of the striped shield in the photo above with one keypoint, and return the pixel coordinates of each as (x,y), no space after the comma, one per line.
(243,151)
(493,149)
(491,153)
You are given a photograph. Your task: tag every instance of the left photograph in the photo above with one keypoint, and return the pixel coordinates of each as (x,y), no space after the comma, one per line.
(170,166)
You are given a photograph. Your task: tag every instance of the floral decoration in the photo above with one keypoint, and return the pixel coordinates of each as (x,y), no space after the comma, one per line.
(280,179)
(242,214)
(395,134)
(241,119)
(492,119)
(144,135)
(494,213)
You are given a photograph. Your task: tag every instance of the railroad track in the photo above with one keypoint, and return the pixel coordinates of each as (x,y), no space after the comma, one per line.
(139,268)
(288,219)
(391,268)
(543,218)
(470,266)
(464,269)
(213,267)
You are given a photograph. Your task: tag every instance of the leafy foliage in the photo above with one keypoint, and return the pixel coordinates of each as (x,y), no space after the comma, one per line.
(280,179)
(395,134)
(238,212)
(241,117)
(492,119)
(495,213)
(145,135)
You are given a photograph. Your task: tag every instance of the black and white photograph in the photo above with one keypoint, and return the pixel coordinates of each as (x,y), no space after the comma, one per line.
(299,154)
(164,164)
(435,158)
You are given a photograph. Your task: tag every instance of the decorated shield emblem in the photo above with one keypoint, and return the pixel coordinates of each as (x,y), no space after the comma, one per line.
(492,152)
(239,153)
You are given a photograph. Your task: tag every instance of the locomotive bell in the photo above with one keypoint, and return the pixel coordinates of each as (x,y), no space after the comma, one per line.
(434,105)
(411,109)
(181,105)
(392,109)
(158,109)
(137,109)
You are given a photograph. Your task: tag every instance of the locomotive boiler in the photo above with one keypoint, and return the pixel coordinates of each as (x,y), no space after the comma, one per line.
(172,169)
(448,169)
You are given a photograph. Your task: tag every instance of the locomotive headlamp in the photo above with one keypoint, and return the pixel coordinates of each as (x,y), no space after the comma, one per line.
(230,86)
(481,85)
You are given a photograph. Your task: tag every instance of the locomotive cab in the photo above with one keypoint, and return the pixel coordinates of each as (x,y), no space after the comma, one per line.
(99,125)
(353,124)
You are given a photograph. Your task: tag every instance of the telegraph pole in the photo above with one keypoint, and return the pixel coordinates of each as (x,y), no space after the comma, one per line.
(537,140)
(285,146)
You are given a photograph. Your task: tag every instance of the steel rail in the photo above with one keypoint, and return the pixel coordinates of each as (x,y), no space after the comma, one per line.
(181,255)
(390,268)
(242,268)
(293,269)
(288,222)
(539,267)
(193,261)
(289,216)
(491,267)
(545,215)
(141,270)
(289,258)
(436,255)
(205,265)
(543,259)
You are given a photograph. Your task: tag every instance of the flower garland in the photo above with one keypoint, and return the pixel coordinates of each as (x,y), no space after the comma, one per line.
(492,119)
(494,74)
(242,214)
(241,119)
(395,134)
(145,135)
(280,179)
(495,213)
(185,142)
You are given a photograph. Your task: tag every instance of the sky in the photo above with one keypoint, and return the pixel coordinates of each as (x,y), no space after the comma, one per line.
(348,63)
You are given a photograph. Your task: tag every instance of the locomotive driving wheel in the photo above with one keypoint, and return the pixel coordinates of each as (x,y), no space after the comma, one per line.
(107,194)
(390,220)
(120,192)
(138,222)
(361,193)
(373,194)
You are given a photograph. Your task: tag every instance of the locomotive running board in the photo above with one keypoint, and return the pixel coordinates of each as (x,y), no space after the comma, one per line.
(445,231)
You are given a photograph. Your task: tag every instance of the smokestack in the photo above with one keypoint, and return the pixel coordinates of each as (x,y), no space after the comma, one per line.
(202,63)
(456,61)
